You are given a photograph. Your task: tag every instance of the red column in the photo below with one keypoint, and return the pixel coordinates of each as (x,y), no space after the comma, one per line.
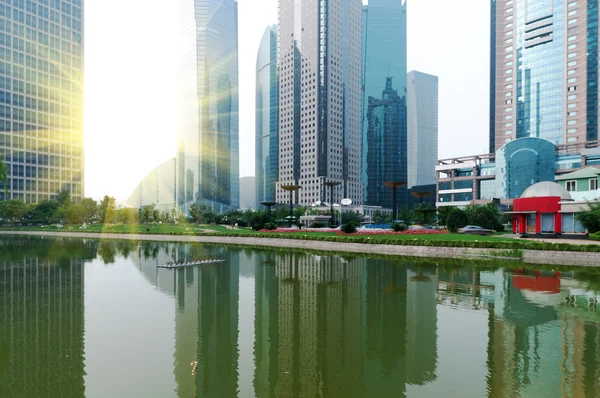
(558,223)
(538,223)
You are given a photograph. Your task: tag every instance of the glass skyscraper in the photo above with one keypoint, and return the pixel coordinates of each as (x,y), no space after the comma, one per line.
(544,71)
(41,98)
(267,117)
(387,146)
(320,99)
(422,105)
(384,55)
(208,148)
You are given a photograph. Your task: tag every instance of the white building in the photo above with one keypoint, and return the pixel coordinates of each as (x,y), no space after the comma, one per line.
(422,107)
(320,99)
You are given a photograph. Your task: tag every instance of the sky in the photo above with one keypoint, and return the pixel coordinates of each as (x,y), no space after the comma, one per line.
(130,81)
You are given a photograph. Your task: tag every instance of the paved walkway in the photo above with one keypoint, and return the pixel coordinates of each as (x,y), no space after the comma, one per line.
(551,240)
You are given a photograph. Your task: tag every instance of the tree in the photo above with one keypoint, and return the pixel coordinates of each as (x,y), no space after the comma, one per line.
(381,218)
(64,197)
(484,216)
(44,212)
(91,208)
(4,177)
(13,210)
(457,219)
(127,215)
(351,217)
(591,219)
(443,213)
(75,214)
(107,210)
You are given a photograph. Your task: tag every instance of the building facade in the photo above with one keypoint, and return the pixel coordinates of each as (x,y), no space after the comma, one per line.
(422,106)
(386,147)
(320,100)
(505,175)
(384,55)
(156,188)
(544,71)
(208,138)
(41,98)
(267,117)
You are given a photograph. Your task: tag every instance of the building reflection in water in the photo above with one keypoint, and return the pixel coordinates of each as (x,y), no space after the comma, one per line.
(42,316)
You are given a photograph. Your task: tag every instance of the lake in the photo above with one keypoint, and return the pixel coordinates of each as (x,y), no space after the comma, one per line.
(89,318)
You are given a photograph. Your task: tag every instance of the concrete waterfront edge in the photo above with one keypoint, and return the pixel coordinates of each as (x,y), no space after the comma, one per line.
(585,259)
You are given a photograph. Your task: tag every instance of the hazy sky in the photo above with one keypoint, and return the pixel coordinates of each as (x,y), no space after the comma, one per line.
(130,91)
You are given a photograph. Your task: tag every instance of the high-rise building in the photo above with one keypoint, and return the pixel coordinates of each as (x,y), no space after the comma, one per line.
(267,117)
(208,153)
(320,99)
(544,71)
(384,55)
(422,105)
(41,98)
(386,159)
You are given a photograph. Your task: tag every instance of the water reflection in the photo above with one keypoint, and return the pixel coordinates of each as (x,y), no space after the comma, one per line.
(294,324)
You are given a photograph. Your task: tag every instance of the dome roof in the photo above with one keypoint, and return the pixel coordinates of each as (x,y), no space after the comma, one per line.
(545,189)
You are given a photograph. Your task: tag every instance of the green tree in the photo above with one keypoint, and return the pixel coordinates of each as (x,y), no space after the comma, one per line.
(43,212)
(381,218)
(13,210)
(75,214)
(484,216)
(64,197)
(351,217)
(107,210)
(4,177)
(457,219)
(91,208)
(591,219)
(127,215)
(443,213)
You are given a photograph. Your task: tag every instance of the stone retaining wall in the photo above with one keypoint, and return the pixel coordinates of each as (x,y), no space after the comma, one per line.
(529,256)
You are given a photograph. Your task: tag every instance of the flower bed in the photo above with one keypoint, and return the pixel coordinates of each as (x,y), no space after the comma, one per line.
(367,232)
(285,230)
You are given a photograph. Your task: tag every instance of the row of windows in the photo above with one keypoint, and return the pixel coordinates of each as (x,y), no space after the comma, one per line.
(571,185)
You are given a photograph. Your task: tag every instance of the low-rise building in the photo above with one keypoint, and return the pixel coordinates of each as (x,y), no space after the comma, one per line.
(581,184)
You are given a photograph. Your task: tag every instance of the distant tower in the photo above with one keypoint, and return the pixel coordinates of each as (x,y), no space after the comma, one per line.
(267,117)
(320,98)
(208,148)
(422,105)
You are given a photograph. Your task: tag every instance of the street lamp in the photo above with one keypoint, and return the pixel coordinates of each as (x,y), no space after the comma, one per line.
(268,205)
(291,189)
(394,185)
(332,184)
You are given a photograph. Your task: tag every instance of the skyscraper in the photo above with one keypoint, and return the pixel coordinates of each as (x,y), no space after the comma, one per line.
(544,71)
(208,153)
(422,105)
(384,55)
(267,117)
(387,146)
(41,98)
(320,99)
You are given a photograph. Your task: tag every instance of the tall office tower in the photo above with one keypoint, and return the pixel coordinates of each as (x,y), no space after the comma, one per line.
(384,55)
(320,99)
(544,71)
(41,98)
(422,105)
(386,152)
(208,152)
(267,117)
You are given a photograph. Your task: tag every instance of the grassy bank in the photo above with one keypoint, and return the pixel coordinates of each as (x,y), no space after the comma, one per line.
(441,240)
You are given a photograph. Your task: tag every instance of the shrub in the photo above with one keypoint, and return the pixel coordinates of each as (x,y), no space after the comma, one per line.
(595,236)
(591,219)
(399,227)
(270,226)
(349,227)
(457,219)
(318,225)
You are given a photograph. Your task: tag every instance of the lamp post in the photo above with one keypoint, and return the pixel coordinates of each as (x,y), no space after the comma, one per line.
(291,189)
(268,205)
(332,184)
(422,195)
(394,185)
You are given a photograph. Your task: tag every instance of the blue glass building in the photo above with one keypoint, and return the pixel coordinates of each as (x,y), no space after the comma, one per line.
(544,71)
(387,146)
(267,117)
(41,98)
(384,55)
(522,163)
(208,139)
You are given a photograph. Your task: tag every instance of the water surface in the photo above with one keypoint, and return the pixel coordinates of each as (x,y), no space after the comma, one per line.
(88,318)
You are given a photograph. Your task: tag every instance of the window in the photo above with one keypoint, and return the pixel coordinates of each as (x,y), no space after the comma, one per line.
(571,106)
(593,184)
(571,131)
(572,21)
(572,97)
(572,55)
(571,186)
(571,38)
(572,4)
(572,47)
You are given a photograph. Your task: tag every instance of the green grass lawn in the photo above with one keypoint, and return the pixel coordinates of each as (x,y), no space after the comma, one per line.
(202,229)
